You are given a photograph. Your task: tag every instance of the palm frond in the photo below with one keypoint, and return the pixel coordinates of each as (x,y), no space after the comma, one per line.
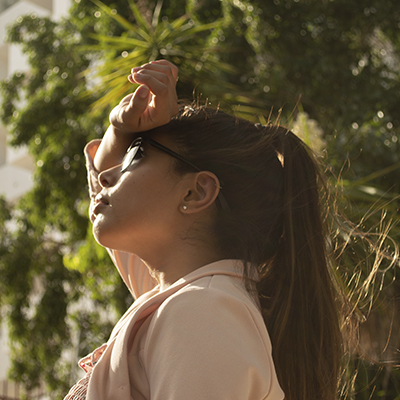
(120,41)
(118,18)
(156,13)
(140,20)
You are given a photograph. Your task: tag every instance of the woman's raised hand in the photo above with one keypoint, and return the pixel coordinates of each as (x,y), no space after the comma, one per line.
(153,103)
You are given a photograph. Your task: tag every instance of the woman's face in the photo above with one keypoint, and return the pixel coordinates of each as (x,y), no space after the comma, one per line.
(138,210)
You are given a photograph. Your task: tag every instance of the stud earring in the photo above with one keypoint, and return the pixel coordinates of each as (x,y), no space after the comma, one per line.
(184,208)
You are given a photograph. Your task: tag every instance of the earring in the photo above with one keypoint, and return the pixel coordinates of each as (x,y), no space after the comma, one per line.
(184,208)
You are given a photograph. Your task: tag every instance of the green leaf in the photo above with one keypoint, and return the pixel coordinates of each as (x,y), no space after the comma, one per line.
(121,20)
(141,21)
(120,41)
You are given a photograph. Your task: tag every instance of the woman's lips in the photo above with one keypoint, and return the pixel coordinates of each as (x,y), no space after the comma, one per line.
(98,207)
(100,204)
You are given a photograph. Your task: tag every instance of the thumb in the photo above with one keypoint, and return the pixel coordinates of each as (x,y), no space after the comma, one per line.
(140,96)
(139,101)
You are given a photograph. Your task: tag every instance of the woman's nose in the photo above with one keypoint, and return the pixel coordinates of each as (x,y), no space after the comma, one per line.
(110,176)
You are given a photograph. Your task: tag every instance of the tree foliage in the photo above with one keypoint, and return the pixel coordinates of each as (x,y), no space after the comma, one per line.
(337,59)
(47,305)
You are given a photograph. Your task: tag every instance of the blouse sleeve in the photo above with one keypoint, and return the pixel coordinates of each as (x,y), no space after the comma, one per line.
(132,269)
(205,344)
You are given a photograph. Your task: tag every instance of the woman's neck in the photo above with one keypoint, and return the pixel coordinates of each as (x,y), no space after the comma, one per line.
(169,268)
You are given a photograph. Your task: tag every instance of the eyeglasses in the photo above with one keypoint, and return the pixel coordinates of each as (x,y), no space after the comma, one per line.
(135,151)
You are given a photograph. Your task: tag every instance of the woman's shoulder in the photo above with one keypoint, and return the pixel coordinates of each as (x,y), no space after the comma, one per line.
(208,291)
(219,281)
(221,301)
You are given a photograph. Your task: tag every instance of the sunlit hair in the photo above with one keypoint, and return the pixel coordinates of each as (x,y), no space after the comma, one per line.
(272,183)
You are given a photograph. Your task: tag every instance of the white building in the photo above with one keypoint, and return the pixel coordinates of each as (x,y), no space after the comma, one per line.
(15,164)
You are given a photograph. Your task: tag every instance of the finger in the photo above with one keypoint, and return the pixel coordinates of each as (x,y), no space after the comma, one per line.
(165,79)
(174,69)
(142,92)
(162,66)
(140,99)
(160,76)
(132,109)
(146,113)
(158,83)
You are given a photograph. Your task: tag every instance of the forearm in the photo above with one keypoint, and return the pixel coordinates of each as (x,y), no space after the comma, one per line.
(112,149)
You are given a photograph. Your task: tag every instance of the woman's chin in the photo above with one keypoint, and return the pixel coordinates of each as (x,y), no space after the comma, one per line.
(101,233)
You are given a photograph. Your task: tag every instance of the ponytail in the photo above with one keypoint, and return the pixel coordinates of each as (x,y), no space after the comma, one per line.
(296,289)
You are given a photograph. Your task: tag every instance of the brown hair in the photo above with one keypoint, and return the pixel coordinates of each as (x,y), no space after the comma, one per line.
(271,183)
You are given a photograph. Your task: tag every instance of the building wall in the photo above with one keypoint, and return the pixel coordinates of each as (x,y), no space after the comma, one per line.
(16,165)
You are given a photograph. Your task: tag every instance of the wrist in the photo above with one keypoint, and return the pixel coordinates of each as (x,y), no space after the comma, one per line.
(120,129)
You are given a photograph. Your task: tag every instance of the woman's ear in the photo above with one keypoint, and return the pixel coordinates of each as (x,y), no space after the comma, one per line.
(202,194)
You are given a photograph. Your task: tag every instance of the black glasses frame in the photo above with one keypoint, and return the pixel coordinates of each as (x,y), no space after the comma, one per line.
(138,142)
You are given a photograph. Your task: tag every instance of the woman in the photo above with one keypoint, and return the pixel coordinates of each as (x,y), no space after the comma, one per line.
(215,226)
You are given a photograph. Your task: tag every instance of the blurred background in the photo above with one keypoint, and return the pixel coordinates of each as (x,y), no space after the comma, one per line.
(328,69)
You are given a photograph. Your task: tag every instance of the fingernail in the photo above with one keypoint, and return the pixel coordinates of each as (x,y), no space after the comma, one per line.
(143,92)
(136,69)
